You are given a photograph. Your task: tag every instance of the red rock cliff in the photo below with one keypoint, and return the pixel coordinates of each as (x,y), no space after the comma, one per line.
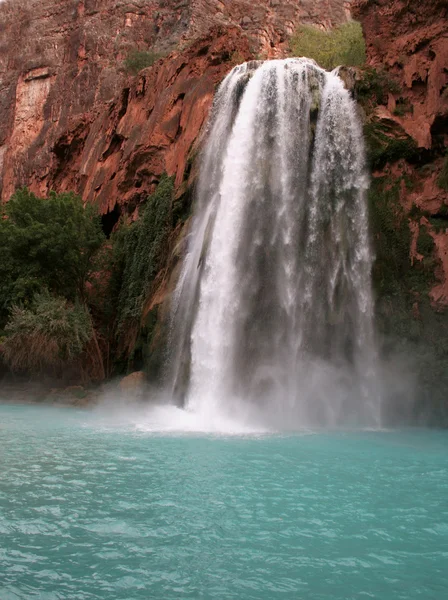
(409,38)
(72,119)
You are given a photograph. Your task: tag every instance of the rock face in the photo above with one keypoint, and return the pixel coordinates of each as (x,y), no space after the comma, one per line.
(407,44)
(409,39)
(72,118)
(133,384)
(113,156)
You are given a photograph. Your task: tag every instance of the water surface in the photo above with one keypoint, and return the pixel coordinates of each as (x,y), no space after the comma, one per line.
(94,507)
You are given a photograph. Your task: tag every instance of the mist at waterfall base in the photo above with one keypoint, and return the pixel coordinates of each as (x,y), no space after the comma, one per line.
(273,315)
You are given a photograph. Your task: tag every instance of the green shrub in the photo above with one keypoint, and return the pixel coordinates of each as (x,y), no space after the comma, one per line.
(46,244)
(403,106)
(383,145)
(438,224)
(137,60)
(343,45)
(391,236)
(425,242)
(47,335)
(138,253)
(374,85)
(439,220)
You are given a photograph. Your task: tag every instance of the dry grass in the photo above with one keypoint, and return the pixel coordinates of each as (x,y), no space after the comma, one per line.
(48,336)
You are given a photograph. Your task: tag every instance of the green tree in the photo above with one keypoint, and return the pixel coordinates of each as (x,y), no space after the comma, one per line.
(46,244)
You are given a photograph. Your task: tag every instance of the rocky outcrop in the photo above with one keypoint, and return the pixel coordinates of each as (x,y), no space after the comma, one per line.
(116,155)
(72,118)
(133,385)
(409,39)
(407,131)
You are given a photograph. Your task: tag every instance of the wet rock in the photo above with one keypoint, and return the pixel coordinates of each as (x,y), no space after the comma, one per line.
(133,383)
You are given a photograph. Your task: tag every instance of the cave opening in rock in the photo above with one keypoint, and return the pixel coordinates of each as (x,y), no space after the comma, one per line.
(109,220)
(439,134)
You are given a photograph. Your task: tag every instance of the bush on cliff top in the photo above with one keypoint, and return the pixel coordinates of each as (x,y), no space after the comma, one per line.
(137,60)
(343,45)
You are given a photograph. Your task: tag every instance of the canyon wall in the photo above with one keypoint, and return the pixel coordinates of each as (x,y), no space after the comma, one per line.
(407,136)
(72,118)
(409,40)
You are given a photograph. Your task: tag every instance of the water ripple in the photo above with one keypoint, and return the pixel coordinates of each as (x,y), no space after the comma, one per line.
(94,514)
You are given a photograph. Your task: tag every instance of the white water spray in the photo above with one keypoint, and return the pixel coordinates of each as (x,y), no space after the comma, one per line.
(273,313)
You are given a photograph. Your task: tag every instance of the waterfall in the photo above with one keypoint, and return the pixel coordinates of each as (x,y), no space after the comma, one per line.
(273,312)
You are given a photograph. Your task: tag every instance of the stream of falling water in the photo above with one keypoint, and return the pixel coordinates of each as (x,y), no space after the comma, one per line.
(273,313)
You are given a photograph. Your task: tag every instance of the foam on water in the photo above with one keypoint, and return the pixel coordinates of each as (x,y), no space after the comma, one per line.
(165,418)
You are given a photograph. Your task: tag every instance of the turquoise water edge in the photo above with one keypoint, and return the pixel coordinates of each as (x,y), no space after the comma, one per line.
(93,507)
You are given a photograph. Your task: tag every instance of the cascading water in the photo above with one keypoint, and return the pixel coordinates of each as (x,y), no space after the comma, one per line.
(273,313)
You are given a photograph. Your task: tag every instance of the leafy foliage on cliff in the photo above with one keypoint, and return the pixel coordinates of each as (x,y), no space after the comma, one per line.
(385,146)
(407,263)
(137,255)
(405,318)
(137,60)
(396,277)
(47,335)
(373,86)
(70,299)
(139,248)
(391,236)
(343,45)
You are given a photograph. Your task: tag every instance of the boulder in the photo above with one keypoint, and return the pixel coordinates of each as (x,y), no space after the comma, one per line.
(133,383)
